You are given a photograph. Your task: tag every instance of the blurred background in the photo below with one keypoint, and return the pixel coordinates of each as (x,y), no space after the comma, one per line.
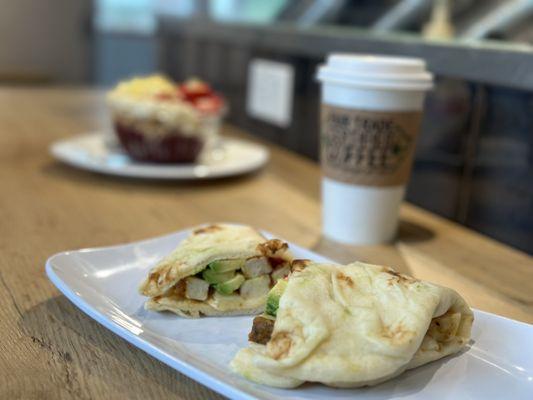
(474,155)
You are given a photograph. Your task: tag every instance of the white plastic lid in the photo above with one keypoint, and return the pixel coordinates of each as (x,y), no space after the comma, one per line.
(376,72)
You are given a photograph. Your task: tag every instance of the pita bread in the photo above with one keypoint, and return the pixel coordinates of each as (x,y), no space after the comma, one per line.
(355,325)
(234,305)
(205,245)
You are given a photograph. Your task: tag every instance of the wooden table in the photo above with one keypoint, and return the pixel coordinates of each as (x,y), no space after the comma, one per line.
(51,350)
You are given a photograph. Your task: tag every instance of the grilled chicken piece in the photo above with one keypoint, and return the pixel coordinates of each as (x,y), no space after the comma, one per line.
(261,330)
(196,289)
(257,266)
(281,272)
(255,287)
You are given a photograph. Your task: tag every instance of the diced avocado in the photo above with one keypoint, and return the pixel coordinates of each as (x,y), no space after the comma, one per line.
(231,285)
(226,265)
(217,277)
(274,295)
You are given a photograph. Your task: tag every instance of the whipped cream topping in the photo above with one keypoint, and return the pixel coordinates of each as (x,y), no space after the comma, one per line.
(138,104)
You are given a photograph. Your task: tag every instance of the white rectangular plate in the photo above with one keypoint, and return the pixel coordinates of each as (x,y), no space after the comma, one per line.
(103,283)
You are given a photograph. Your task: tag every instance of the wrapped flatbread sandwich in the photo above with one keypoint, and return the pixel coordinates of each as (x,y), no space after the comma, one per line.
(351,326)
(218,270)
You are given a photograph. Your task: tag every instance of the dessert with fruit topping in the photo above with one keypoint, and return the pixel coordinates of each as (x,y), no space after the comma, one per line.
(158,120)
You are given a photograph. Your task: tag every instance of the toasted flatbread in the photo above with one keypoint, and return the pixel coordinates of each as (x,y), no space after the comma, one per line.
(205,245)
(193,308)
(355,325)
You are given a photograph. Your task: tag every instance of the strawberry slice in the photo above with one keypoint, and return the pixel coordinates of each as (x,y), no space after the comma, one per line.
(210,104)
(195,88)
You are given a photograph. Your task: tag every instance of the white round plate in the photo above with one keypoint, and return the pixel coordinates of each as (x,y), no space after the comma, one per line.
(100,152)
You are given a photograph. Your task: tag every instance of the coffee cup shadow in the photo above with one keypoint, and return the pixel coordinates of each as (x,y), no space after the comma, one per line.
(411,232)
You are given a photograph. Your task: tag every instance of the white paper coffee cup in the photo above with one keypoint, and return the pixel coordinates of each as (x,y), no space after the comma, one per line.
(371,112)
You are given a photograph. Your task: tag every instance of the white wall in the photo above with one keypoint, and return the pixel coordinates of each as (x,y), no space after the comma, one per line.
(46,37)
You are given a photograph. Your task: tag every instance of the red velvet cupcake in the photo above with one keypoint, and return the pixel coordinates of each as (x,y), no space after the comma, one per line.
(159,121)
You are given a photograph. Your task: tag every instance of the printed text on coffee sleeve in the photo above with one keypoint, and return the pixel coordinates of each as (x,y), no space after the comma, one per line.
(374,148)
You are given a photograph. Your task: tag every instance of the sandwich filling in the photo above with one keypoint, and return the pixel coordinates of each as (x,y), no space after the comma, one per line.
(247,278)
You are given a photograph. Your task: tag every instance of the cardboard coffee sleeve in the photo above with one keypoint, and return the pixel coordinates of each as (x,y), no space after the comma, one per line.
(370,148)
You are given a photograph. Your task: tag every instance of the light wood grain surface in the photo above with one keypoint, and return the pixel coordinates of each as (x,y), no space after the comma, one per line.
(51,350)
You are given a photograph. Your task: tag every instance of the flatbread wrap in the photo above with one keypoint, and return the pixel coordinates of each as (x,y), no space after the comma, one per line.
(351,326)
(219,269)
